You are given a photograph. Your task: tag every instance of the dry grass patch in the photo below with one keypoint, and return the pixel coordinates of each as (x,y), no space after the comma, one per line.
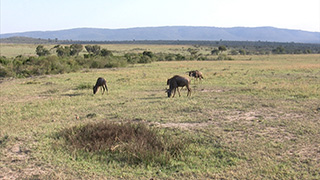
(124,142)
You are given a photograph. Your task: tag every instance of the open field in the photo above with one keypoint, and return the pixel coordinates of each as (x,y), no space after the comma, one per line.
(256,117)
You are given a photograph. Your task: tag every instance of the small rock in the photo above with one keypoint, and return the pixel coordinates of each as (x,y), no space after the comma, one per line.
(16,149)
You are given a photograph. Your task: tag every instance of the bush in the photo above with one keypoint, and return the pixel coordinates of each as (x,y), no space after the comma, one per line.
(4,60)
(148,53)
(224,57)
(180,57)
(242,52)
(215,51)
(4,72)
(145,59)
(105,52)
(126,142)
(132,58)
(41,51)
(279,50)
(108,62)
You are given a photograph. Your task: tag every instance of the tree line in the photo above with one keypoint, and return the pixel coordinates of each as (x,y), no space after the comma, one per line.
(64,59)
(74,57)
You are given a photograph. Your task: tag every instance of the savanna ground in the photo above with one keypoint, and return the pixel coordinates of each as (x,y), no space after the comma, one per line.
(256,117)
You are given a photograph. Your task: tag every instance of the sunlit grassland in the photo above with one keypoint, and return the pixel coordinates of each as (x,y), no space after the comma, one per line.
(13,50)
(254,117)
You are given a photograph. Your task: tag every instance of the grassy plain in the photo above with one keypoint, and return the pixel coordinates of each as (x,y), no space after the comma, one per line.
(256,117)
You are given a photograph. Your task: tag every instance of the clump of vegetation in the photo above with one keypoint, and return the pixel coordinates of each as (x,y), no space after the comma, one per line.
(67,59)
(21,66)
(72,58)
(125,142)
(224,57)
(4,140)
(84,86)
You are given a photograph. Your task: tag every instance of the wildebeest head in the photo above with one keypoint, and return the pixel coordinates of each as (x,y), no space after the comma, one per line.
(95,89)
(168,91)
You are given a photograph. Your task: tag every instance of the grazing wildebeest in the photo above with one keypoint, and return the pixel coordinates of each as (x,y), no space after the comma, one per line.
(178,81)
(196,74)
(100,82)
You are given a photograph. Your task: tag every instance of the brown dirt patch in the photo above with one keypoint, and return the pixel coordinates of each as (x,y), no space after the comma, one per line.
(17,163)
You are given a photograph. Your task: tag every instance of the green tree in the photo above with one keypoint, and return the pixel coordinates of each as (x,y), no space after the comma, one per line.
(75,49)
(88,48)
(105,52)
(215,51)
(41,51)
(148,53)
(95,49)
(279,50)
(193,52)
(242,52)
(63,51)
(222,48)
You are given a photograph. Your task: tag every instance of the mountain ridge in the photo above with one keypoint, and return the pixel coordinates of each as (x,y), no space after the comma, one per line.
(202,33)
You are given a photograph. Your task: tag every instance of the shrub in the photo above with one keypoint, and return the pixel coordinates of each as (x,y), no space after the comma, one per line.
(63,51)
(108,62)
(222,48)
(170,57)
(242,52)
(132,58)
(4,60)
(75,49)
(125,142)
(180,57)
(215,51)
(148,53)
(95,49)
(224,57)
(279,50)
(4,72)
(145,59)
(105,52)
(41,51)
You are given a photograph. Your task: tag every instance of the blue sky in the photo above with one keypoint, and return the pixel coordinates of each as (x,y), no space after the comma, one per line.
(43,15)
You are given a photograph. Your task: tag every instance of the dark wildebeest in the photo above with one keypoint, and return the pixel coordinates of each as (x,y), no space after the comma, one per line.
(178,81)
(100,82)
(196,74)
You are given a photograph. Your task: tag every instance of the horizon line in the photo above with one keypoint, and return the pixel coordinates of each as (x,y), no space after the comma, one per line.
(157,27)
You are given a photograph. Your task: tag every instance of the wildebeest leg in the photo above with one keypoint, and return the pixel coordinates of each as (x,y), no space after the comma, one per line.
(179,91)
(189,91)
(105,87)
(102,89)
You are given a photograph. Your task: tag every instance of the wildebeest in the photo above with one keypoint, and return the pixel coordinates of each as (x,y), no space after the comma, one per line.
(100,82)
(178,81)
(196,74)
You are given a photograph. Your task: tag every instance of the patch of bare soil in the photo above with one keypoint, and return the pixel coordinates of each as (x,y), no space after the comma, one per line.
(17,163)
(185,126)
(214,90)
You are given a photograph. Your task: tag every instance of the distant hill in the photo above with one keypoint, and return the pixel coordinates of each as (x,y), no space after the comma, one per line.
(21,39)
(270,34)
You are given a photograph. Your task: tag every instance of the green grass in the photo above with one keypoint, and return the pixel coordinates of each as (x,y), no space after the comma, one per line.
(256,117)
